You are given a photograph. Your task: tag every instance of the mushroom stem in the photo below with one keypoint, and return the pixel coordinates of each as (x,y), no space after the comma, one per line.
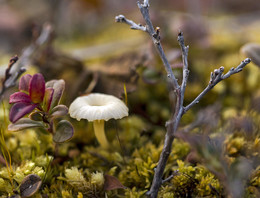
(100,133)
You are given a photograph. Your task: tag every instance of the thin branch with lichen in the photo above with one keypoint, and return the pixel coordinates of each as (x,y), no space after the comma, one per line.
(174,87)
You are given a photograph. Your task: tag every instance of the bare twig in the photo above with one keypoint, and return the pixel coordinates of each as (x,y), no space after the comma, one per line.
(167,179)
(184,50)
(12,61)
(133,25)
(176,172)
(215,78)
(9,79)
(146,3)
(174,87)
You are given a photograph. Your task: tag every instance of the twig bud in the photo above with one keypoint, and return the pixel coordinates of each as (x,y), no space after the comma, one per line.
(120,18)
(156,35)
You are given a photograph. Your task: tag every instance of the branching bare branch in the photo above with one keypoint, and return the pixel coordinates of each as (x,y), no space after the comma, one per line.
(215,78)
(178,110)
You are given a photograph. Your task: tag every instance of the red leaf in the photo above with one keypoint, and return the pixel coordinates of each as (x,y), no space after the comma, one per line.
(112,183)
(37,88)
(19,97)
(48,98)
(20,109)
(24,82)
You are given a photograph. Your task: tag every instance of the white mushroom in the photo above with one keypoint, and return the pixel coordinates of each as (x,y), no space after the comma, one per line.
(98,108)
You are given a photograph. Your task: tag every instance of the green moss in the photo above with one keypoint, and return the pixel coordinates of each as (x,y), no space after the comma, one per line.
(139,172)
(134,193)
(189,181)
(17,176)
(235,145)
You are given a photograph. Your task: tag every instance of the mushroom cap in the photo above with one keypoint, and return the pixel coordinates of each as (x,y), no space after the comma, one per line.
(98,106)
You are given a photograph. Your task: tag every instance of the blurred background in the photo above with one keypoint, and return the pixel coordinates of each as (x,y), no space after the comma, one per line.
(85,37)
(86,18)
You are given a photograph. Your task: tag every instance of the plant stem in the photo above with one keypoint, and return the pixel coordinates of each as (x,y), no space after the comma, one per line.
(100,133)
